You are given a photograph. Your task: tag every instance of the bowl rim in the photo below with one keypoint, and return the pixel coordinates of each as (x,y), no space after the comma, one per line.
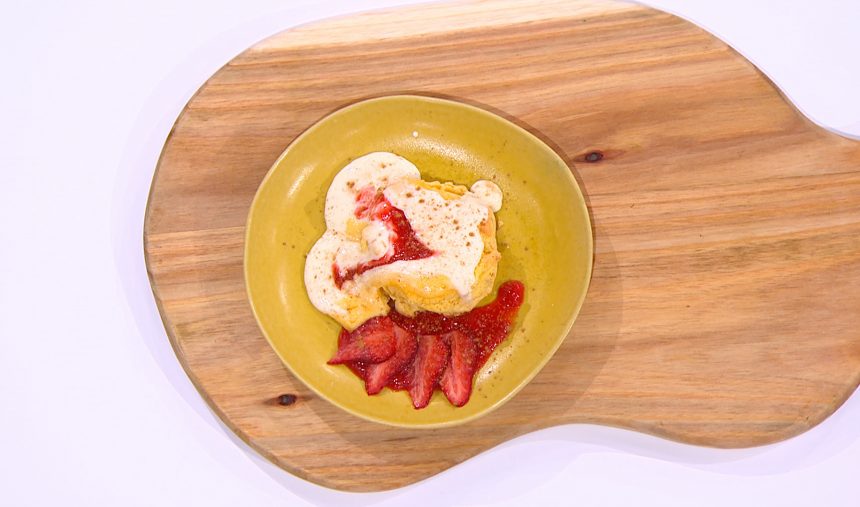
(568,325)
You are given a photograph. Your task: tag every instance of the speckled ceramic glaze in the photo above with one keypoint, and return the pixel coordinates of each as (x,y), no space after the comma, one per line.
(544,237)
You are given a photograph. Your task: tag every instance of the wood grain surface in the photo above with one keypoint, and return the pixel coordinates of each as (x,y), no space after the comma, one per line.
(723,309)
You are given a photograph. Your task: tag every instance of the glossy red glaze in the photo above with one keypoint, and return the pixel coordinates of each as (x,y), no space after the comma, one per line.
(405,245)
(487,325)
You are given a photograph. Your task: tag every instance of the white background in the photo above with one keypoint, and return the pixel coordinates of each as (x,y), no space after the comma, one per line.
(94,408)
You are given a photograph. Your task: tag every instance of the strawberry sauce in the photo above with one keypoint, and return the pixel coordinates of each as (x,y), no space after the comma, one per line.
(405,245)
(488,326)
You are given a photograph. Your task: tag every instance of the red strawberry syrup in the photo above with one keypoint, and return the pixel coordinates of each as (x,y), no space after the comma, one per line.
(487,325)
(405,245)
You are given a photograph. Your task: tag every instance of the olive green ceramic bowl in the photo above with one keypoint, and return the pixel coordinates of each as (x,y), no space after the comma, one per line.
(544,237)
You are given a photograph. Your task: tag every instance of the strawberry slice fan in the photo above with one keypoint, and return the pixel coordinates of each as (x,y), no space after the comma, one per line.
(430,350)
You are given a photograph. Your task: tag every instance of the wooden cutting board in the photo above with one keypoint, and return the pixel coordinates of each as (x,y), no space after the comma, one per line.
(724,308)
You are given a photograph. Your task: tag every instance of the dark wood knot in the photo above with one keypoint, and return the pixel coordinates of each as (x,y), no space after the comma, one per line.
(286,399)
(594,156)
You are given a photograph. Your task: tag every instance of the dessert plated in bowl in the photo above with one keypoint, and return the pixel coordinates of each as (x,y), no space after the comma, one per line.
(513,194)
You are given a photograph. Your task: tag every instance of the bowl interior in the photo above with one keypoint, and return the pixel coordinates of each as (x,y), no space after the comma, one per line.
(544,237)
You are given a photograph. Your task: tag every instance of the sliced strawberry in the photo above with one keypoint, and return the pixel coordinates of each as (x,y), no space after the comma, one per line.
(371,342)
(456,381)
(430,360)
(378,375)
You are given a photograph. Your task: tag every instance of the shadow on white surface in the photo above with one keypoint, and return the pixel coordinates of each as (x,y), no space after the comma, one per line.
(529,461)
